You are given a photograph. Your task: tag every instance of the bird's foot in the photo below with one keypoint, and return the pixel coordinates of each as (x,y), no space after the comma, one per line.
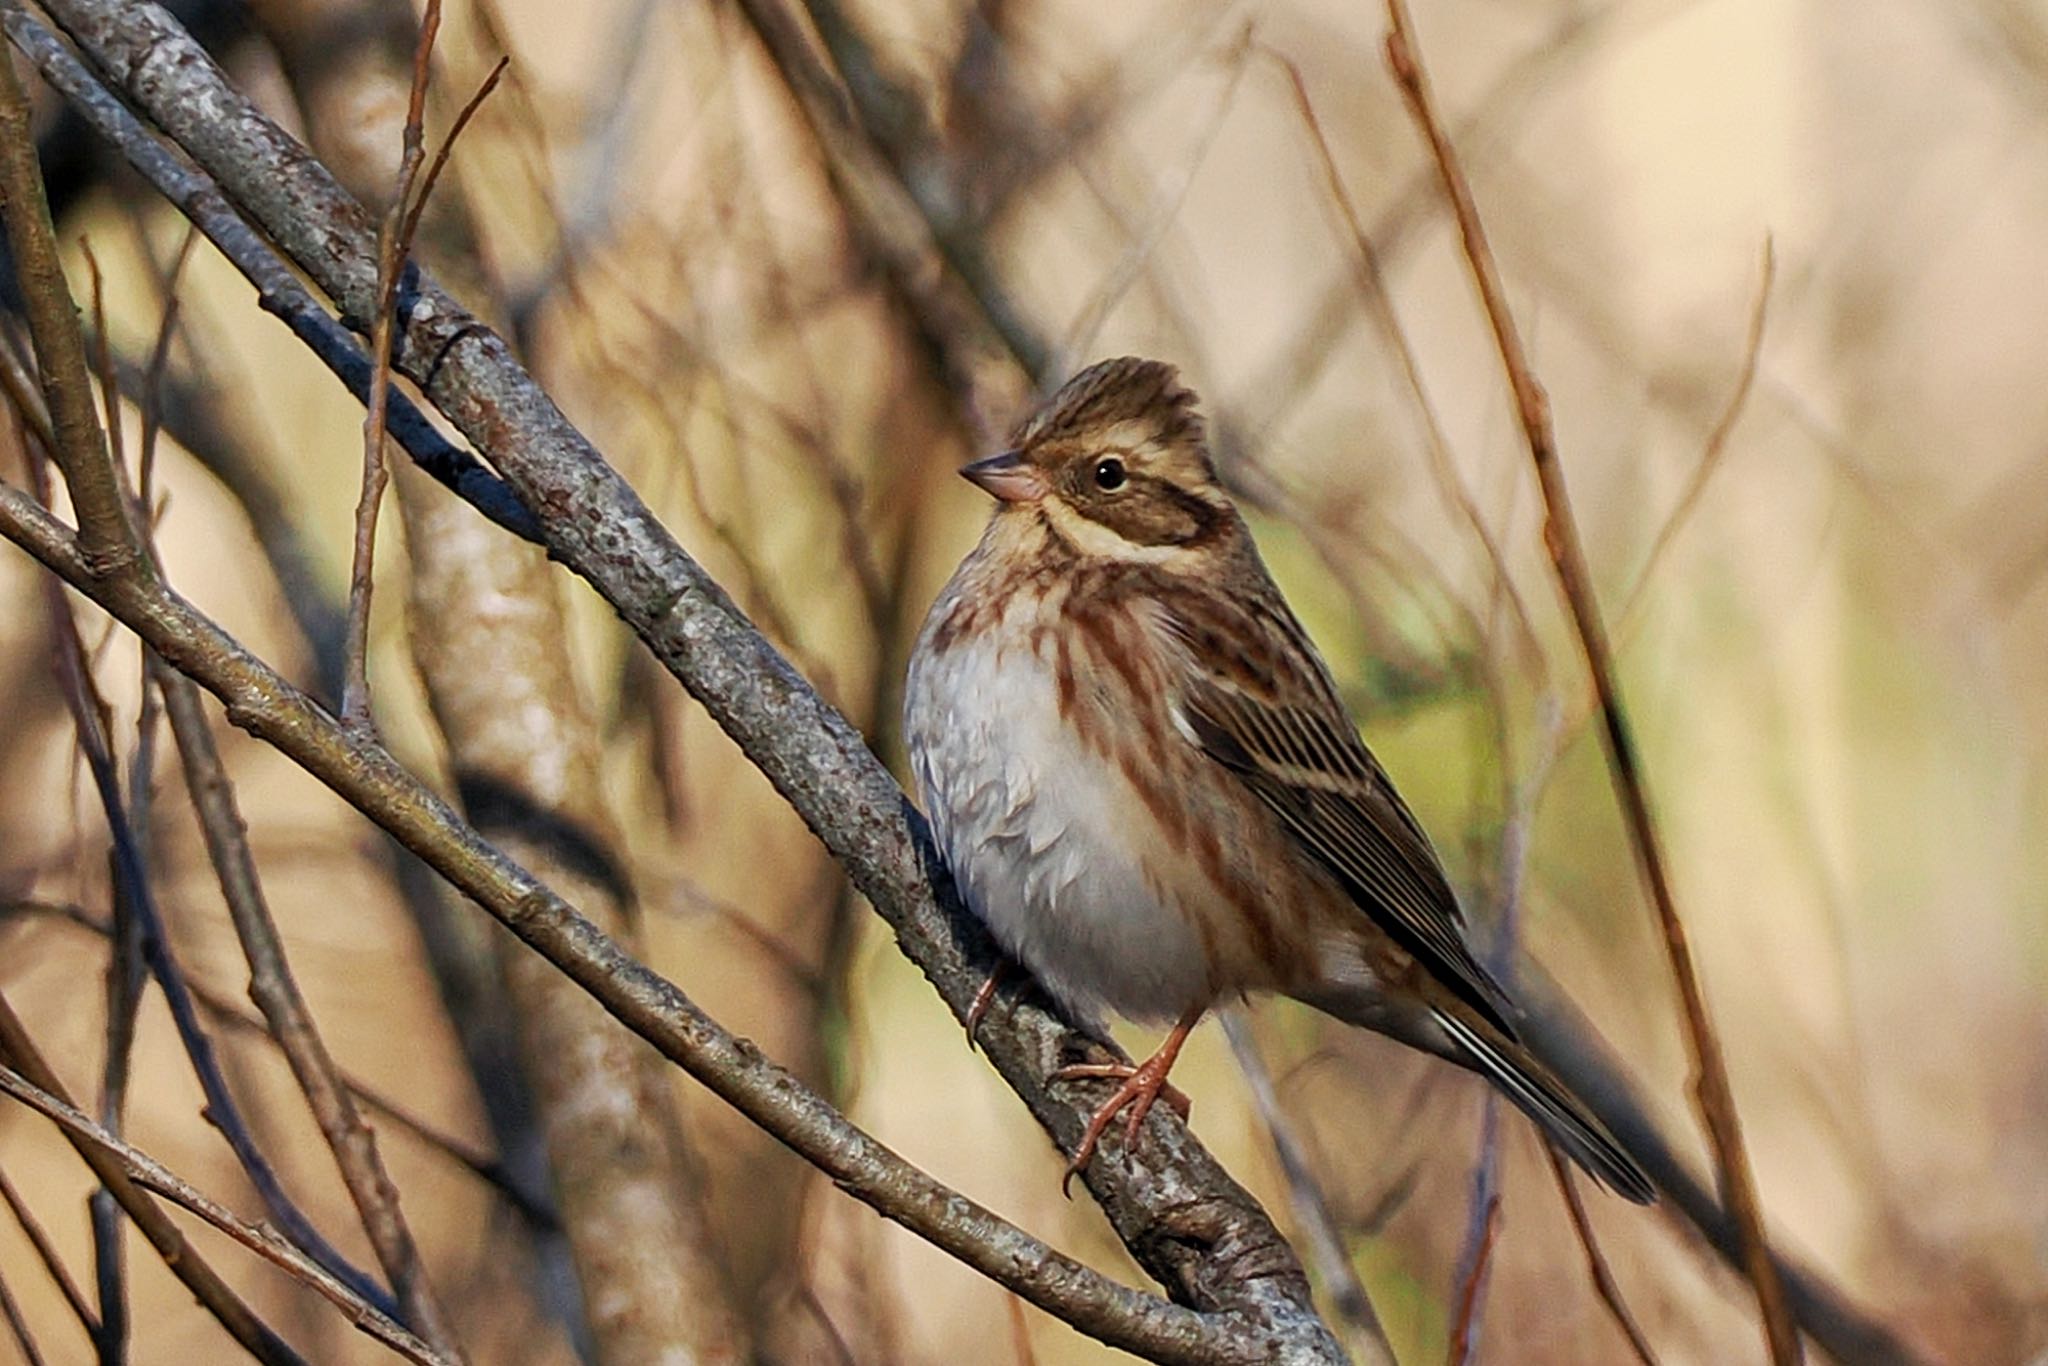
(1143,1085)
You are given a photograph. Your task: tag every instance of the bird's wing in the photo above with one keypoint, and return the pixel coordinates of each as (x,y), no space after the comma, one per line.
(1259,701)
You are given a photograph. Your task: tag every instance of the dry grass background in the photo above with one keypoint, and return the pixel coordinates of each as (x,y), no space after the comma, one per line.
(1839,665)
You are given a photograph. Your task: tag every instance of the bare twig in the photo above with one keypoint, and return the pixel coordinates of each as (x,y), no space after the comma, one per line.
(277,995)
(1717,439)
(363,773)
(447,148)
(21,1058)
(814,756)
(125,976)
(152,1175)
(1474,1267)
(18,1326)
(153,373)
(1603,1278)
(1715,1096)
(46,1253)
(1380,304)
(1471,1290)
(394,242)
(1367,1339)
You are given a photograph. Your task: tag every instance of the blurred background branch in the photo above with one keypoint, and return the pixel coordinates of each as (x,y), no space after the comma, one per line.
(786,265)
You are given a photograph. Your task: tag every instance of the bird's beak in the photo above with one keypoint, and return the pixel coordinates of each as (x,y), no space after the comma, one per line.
(1008,476)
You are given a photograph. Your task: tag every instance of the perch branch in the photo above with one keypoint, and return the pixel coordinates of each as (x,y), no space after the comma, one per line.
(363,773)
(1192,1227)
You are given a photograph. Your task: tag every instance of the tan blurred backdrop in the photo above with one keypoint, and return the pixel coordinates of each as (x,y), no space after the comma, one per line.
(1839,661)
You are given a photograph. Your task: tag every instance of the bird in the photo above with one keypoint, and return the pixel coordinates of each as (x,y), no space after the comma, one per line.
(1138,769)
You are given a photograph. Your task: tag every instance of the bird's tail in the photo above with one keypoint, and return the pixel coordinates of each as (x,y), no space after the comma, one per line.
(1544,1099)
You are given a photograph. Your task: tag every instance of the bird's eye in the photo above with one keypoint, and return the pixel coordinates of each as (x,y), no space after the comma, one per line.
(1109,474)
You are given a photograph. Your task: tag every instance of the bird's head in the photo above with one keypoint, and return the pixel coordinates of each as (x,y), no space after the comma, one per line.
(1117,465)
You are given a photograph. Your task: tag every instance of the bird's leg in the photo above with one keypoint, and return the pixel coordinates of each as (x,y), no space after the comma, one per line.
(985,996)
(1142,1085)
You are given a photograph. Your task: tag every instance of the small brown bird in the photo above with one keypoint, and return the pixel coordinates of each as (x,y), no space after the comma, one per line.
(1139,770)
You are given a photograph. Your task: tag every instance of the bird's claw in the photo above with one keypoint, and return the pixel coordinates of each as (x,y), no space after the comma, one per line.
(984,997)
(1143,1084)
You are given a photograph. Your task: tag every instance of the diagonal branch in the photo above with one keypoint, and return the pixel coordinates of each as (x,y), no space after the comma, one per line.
(1186,1221)
(266,1243)
(46,1253)
(277,995)
(20,1057)
(1715,1096)
(1253,1281)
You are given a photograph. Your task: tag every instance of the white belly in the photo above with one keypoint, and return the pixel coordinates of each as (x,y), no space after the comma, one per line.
(1049,843)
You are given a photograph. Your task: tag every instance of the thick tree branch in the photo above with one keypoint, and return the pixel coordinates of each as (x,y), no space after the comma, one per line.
(1182,1216)
(1223,1265)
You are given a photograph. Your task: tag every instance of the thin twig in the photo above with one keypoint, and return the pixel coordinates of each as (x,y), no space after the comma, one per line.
(1020,1333)
(1717,438)
(1464,1327)
(394,242)
(159,359)
(1603,1277)
(1312,1212)
(18,1326)
(153,1176)
(1712,1090)
(103,357)
(21,1058)
(126,974)
(447,148)
(277,995)
(1372,283)
(239,1019)
(1482,1233)
(46,1253)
